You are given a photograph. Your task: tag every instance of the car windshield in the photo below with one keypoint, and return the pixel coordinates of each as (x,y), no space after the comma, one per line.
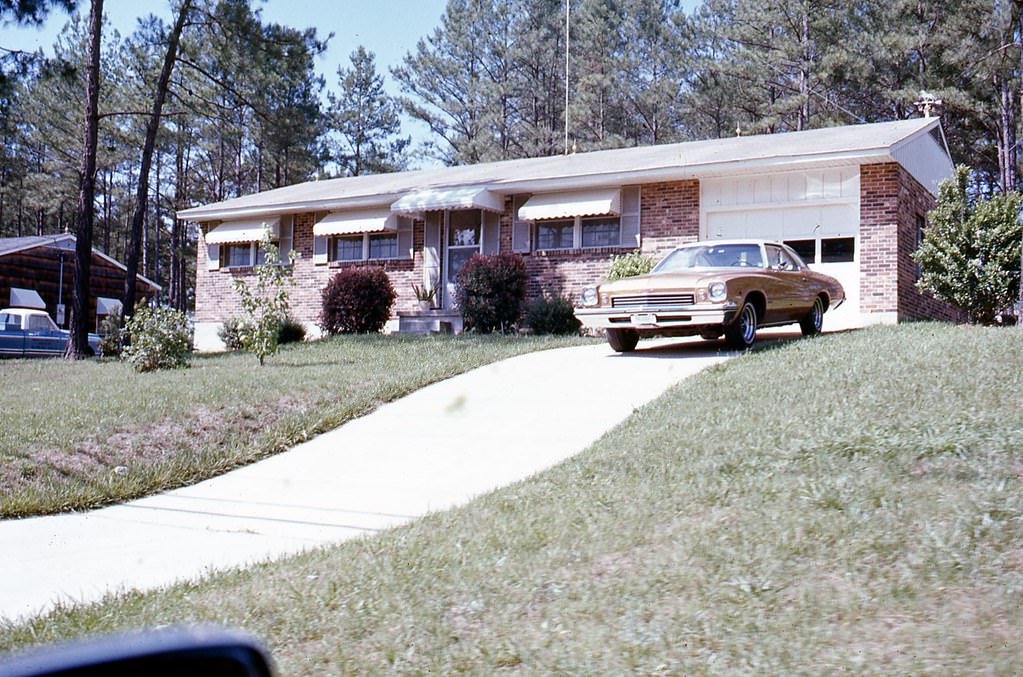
(712,256)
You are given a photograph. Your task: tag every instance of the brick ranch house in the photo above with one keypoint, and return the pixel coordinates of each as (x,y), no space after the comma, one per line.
(851,200)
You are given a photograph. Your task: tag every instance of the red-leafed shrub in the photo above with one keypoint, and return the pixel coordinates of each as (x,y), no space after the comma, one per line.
(357,301)
(491,292)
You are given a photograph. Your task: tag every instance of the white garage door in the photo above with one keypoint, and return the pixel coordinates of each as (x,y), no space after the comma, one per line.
(815,212)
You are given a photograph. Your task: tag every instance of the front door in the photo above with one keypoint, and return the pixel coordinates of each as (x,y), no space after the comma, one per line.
(461,242)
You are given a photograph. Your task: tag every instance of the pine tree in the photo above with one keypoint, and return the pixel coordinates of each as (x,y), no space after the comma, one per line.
(366,120)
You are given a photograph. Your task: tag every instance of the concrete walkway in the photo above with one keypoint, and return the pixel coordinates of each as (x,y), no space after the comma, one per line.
(430,451)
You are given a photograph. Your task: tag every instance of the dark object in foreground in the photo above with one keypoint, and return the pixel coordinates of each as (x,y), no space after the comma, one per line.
(191,651)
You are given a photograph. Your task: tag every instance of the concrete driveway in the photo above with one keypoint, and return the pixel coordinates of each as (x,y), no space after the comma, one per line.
(434,449)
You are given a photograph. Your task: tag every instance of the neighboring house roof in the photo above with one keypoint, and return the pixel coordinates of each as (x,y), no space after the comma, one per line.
(918,144)
(66,241)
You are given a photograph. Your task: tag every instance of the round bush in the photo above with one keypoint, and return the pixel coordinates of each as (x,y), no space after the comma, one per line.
(491,292)
(552,315)
(231,333)
(357,301)
(160,339)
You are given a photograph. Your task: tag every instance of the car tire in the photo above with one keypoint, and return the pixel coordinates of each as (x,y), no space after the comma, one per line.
(742,332)
(89,352)
(622,340)
(811,324)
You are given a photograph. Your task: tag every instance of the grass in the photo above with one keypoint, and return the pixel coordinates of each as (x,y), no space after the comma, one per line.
(850,503)
(80,435)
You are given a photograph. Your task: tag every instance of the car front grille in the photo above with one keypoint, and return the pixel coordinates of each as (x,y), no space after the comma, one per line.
(650,301)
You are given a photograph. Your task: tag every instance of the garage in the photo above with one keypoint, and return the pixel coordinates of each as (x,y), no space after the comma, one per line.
(816,212)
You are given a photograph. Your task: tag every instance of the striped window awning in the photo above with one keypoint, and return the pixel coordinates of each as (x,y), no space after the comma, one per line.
(356,222)
(444,199)
(250,230)
(568,205)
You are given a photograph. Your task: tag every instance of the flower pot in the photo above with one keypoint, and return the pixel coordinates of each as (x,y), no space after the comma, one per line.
(425,305)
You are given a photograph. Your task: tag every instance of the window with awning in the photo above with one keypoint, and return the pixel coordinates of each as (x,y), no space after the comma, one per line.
(602,202)
(584,219)
(235,244)
(449,199)
(362,235)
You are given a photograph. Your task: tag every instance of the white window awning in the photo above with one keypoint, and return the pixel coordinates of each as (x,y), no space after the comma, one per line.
(250,230)
(356,222)
(26,298)
(440,199)
(106,306)
(569,205)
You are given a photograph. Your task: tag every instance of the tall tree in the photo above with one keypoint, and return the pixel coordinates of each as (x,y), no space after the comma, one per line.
(152,127)
(78,343)
(366,119)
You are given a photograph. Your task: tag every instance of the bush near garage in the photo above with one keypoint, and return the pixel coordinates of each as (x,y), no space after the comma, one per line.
(357,301)
(160,339)
(970,254)
(629,265)
(552,315)
(492,292)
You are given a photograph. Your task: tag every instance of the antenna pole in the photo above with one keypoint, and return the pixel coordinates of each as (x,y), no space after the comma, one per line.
(567,17)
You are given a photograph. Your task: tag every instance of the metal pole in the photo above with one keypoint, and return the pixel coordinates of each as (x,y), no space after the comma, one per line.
(567,17)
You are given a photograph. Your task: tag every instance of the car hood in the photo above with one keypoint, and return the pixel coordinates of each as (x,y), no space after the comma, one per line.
(664,281)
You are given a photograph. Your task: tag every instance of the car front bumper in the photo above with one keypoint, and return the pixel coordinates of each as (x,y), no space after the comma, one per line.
(697,315)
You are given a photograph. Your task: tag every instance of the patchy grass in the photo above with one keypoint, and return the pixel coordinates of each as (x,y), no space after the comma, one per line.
(850,503)
(79,435)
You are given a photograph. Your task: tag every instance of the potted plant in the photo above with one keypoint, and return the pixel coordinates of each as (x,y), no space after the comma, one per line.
(425,295)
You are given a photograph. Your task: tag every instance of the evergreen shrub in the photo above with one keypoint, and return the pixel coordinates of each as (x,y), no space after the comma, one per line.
(552,315)
(492,292)
(231,333)
(357,301)
(160,339)
(291,331)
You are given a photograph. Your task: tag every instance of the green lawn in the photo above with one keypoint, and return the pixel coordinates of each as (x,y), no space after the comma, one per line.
(78,435)
(850,503)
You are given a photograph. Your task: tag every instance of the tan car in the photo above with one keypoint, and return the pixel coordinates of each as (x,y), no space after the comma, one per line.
(724,287)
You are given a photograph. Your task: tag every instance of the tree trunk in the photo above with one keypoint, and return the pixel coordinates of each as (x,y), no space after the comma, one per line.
(78,343)
(142,194)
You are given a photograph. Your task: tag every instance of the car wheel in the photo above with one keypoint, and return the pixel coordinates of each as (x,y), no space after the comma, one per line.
(811,324)
(622,340)
(89,352)
(742,332)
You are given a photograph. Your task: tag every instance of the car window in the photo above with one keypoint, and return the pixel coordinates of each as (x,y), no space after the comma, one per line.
(39,323)
(9,322)
(778,259)
(712,256)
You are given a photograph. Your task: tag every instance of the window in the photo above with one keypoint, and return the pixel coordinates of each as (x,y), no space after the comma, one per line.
(805,249)
(39,323)
(9,322)
(364,247)
(242,255)
(838,250)
(577,233)
(559,234)
(602,232)
(348,249)
(383,246)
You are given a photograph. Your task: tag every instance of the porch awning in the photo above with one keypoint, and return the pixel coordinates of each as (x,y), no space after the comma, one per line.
(356,222)
(458,197)
(568,205)
(250,230)
(105,306)
(26,298)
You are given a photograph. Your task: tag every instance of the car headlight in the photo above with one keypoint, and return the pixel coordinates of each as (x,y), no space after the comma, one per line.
(717,291)
(590,296)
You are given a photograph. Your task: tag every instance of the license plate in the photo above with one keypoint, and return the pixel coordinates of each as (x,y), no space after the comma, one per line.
(644,318)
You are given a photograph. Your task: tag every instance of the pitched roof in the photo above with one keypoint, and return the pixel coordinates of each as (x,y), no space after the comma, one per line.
(853,144)
(12,245)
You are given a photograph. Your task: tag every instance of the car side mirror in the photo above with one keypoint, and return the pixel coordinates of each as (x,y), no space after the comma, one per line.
(190,651)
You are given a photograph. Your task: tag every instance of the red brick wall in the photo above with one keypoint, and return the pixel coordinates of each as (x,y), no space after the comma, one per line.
(669,216)
(890,200)
(216,300)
